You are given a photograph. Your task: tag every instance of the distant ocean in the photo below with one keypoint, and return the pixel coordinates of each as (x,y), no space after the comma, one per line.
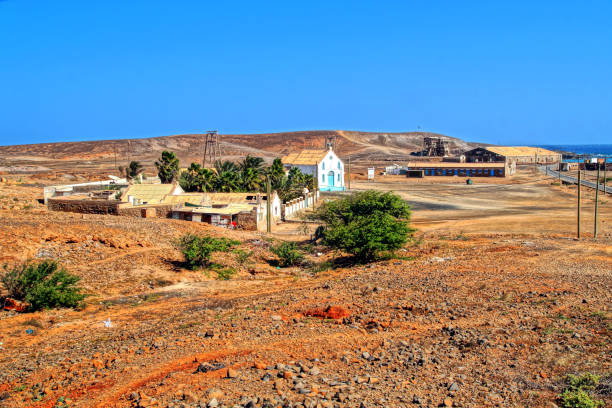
(587,149)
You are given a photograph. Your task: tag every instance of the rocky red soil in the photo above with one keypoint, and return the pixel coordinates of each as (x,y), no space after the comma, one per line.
(461,318)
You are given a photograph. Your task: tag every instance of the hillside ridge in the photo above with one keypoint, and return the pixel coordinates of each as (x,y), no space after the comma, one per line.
(108,154)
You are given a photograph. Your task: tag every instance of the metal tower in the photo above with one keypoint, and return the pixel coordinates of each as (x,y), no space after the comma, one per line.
(212,151)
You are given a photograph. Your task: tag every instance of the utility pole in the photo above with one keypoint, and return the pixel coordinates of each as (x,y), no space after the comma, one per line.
(315,185)
(605,174)
(596,202)
(115,151)
(579,183)
(349,172)
(268,206)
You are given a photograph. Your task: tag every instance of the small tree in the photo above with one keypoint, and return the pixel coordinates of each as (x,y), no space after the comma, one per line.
(365,224)
(42,285)
(167,167)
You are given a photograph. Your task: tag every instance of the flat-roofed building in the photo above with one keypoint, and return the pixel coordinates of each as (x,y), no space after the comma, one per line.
(140,194)
(232,216)
(500,169)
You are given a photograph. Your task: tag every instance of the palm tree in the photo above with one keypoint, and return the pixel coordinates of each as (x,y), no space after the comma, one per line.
(276,172)
(251,180)
(197,178)
(227,182)
(132,171)
(293,185)
(225,165)
(255,163)
(187,182)
(252,173)
(189,179)
(208,178)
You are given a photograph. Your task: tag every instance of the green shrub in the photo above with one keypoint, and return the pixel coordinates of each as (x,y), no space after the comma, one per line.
(198,250)
(42,285)
(585,381)
(288,254)
(243,256)
(578,399)
(365,224)
(225,274)
(576,393)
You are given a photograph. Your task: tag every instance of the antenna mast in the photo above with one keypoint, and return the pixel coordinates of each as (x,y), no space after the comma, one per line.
(330,141)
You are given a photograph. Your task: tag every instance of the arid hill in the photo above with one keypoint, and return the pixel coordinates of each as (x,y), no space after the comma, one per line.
(90,155)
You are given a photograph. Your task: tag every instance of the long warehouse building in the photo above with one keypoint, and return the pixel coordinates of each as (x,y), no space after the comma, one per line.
(421,169)
(515,154)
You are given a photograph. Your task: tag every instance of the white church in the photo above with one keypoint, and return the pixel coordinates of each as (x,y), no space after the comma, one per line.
(324,165)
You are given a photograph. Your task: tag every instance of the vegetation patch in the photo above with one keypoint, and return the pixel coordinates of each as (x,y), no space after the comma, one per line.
(243,257)
(198,250)
(33,322)
(577,393)
(288,254)
(225,273)
(321,267)
(42,285)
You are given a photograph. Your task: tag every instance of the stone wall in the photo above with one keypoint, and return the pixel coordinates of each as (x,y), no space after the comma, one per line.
(247,221)
(84,206)
(112,207)
(161,210)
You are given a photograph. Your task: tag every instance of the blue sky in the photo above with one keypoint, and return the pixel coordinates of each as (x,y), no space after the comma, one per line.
(518,72)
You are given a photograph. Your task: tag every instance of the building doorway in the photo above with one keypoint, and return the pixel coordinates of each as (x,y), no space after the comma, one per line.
(330,179)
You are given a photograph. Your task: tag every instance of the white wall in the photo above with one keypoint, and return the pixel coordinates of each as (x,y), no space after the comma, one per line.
(331,162)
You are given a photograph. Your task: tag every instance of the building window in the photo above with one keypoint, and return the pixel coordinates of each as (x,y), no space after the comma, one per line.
(338,177)
(323,166)
(323,178)
(339,166)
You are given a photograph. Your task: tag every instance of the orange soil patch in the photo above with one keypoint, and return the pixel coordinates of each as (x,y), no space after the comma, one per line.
(331,312)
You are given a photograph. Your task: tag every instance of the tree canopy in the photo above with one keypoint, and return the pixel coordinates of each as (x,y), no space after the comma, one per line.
(167,167)
(249,175)
(365,224)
